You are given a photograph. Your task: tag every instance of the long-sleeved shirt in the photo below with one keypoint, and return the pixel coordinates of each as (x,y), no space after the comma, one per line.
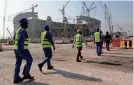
(22,36)
(101,37)
(108,38)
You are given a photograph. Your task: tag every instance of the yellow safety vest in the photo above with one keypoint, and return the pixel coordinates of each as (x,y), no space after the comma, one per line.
(45,43)
(17,36)
(97,36)
(78,40)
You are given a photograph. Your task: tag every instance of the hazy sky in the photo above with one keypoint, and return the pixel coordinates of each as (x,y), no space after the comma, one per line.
(122,11)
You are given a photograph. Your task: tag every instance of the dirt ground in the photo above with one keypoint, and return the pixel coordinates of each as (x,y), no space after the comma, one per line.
(111,68)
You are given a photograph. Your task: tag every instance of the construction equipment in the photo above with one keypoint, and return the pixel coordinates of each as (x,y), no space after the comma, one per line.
(108,18)
(90,8)
(10,40)
(9,32)
(64,25)
(61,30)
(29,9)
(122,31)
(63,10)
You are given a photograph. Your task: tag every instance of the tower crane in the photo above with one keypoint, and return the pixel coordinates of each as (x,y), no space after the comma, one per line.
(108,18)
(33,6)
(90,8)
(63,10)
(64,25)
(121,29)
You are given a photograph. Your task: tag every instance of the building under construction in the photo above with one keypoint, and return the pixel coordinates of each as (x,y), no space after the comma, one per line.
(58,29)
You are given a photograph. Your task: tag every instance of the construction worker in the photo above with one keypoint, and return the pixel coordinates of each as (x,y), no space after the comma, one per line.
(21,51)
(107,40)
(46,42)
(97,40)
(102,40)
(78,40)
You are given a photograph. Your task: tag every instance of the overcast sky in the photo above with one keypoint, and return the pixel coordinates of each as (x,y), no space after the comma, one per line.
(122,11)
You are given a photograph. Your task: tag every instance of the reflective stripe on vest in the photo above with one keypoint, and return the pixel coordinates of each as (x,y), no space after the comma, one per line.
(97,36)
(17,36)
(45,43)
(78,40)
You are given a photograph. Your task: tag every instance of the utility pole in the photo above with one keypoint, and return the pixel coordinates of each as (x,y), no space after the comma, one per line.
(4,17)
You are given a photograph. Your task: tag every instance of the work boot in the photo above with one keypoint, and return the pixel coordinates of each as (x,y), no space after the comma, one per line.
(18,80)
(81,57)
(50,67)
(40,67)
(78,60)
(108,49)
(28,77)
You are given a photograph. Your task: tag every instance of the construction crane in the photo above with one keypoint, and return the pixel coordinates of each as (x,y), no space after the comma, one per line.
(33,6)
(10,18)
(108,18)
(9,33)
(63,10)
(90,8)
(64,25)
(121,29)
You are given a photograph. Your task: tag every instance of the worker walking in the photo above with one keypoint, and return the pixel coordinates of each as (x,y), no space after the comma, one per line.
(21,51)
(97,40)
(78,40)
(102,40)
(107,40)
(46,42)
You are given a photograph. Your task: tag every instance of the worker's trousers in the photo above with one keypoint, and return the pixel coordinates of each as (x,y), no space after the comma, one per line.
(98,48)
(25,54)
(107,45)
(79,53)
(48,56)
(101,46)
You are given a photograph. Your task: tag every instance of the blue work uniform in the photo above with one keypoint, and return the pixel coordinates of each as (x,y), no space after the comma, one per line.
(47,50)
(102,40)
(97,40)
(22,53)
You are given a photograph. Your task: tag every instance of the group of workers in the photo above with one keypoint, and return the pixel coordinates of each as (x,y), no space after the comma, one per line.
(21,51)
(99,39)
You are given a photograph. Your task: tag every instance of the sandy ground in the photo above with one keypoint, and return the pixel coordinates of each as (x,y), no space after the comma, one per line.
(112,68)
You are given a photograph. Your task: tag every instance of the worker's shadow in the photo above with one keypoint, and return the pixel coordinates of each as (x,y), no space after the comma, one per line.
(104,62)
(74,75)
(32,82)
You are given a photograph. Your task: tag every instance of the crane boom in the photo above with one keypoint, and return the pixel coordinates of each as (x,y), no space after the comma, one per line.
(91,5)
(85,6)
(9,33)
(29,8)
(108,18)
(92,8)
(66,4)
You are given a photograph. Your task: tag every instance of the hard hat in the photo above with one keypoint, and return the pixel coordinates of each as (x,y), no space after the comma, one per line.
(46,27)
(23,20)
(78,30)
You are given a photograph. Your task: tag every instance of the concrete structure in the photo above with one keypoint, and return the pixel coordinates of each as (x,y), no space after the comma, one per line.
(58,29)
